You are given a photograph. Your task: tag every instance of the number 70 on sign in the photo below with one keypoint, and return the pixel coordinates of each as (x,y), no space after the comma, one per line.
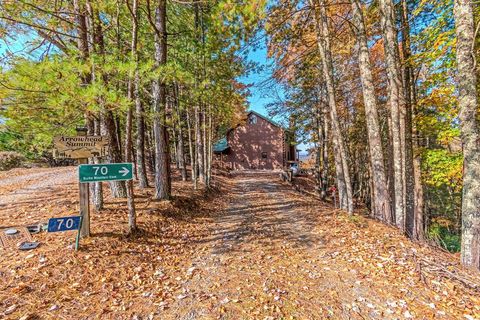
(64,224)
(88,173)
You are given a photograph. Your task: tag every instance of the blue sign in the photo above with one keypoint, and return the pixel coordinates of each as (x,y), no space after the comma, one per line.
(64,224)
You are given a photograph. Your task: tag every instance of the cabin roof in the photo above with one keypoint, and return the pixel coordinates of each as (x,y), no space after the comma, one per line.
(221,145)
(264,118)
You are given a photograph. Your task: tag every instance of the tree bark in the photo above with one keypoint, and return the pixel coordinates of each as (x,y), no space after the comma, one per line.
(117,187)
(149,150)
(397,104)
(181,144)
(413,193)
(204,143)
(132,218)
(199,145)
(162,158)
(470,135)
(210,146)
(381,199)
(192,152)
(139,112)
(98,186)
(109,127)
(96,189)
(81,22)
(340,155)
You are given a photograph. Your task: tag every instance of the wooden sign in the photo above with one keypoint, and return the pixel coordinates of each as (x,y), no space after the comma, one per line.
(79,147)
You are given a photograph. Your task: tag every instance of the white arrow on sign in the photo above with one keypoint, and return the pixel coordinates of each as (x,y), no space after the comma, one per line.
(124,171)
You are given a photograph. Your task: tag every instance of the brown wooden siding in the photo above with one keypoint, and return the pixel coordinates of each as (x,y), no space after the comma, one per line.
(250,141)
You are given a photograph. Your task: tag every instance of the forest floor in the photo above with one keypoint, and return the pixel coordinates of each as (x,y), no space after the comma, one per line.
(251,248)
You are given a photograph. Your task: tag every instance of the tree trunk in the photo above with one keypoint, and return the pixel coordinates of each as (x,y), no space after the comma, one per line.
(181,144)
(412,171)
(140,121)
(192,152)
(98,186)
(322,156)
(325,137)
(419,229)
(139,111)
(109,127)
(204,142)
(340,155)
(175,143)
(132,219)
(210,147)
(468,115)
(150,153)
(397,104)
(117,187)
(199,146)
(380,199)
(118,129)
(162,158)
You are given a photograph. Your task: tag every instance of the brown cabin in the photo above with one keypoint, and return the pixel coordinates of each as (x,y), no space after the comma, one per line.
(259,144)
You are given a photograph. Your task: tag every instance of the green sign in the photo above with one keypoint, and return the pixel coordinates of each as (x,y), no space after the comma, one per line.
(105,172)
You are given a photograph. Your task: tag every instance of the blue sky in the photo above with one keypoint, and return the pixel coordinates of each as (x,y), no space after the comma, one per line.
(257,100)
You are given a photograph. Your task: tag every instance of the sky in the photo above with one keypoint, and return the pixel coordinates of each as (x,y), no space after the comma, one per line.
(259,98)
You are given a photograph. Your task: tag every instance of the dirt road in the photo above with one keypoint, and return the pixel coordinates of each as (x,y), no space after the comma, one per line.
(256,250)
(275,253)
(24,184)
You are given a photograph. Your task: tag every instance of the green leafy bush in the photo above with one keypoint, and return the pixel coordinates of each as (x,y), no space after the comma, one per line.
(445,237)
(10,160)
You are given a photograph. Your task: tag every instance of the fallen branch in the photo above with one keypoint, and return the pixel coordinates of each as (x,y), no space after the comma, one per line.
(459,277)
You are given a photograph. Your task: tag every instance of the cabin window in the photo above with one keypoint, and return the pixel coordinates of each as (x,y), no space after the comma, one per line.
(252,119)
(264,155)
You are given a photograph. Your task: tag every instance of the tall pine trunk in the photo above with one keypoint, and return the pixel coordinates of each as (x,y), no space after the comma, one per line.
(139,115)
(98,186)
(132,219)
(162,158)
(140,142)
(117,188)
(468,115)
(191,151)
(108,124)
(381,199)
(199,145)
(209,146)
(181,140)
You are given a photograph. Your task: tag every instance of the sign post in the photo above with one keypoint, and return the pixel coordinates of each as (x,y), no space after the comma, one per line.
(81,147)
(84,196)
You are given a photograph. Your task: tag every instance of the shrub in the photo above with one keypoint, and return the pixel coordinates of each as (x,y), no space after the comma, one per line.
(10,159)
(443,236)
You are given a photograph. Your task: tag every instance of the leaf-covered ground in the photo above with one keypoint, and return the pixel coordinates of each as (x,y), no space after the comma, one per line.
(252,248)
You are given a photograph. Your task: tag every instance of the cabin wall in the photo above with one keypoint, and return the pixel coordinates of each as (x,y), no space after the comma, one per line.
(250,143)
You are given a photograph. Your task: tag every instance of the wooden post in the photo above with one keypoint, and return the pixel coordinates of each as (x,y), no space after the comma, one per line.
(84,196)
